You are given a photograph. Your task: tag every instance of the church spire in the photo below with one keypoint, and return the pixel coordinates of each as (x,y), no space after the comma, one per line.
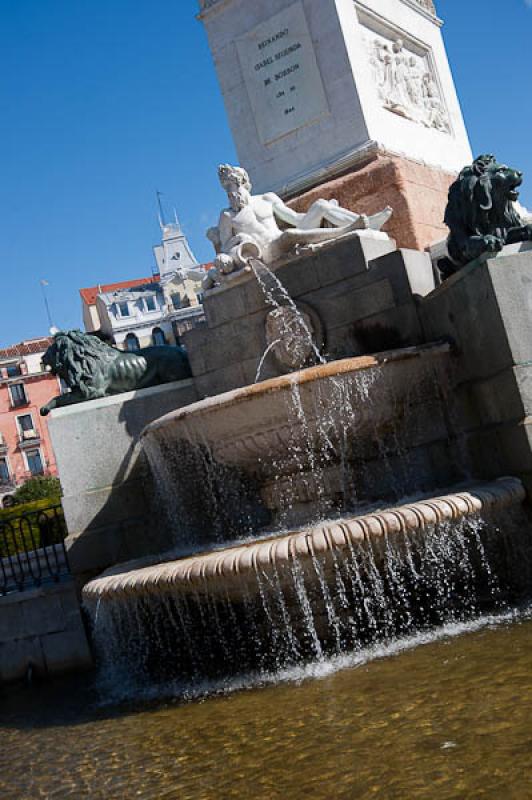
(174,254)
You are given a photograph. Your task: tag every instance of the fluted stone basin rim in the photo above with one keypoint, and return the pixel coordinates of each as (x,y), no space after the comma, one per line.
(300,377)
(217,568)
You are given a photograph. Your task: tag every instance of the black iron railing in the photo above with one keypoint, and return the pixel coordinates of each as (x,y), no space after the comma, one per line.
(32,550)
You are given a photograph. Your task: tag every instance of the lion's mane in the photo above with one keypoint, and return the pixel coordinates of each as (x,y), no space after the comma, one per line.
(480,210)
(78,358)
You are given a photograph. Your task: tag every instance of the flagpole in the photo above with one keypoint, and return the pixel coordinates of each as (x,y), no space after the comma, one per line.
(45,298)
(161,212)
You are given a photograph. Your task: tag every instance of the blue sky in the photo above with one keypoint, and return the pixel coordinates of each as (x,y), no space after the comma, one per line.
(103,102)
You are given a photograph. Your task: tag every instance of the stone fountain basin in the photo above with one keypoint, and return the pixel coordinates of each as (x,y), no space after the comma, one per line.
(271,427)
(233,571)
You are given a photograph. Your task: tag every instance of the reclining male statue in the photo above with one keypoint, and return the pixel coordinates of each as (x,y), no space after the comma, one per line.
(264,227)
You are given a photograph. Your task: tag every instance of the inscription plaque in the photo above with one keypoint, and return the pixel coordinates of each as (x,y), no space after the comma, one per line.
(281,74)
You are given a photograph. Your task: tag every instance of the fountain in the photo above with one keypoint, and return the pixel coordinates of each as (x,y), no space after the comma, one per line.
(292,536)
(317,441)
(339,501)
(278,498)
(306,595)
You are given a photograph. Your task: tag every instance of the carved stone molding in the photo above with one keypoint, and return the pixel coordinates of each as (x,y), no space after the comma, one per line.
(293,335)
(214,571)
(249,427)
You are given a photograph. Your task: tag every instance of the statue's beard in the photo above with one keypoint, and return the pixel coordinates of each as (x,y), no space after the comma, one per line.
(238,201)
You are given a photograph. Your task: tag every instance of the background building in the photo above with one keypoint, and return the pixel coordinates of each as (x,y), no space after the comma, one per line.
(25,448)
(150,311)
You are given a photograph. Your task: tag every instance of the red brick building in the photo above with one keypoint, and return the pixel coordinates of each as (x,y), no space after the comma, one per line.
(25,447)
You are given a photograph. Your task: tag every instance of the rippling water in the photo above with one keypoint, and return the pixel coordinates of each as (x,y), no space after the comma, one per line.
(436,717)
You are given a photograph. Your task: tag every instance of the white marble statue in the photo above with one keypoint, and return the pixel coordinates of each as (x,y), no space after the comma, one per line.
(264,227)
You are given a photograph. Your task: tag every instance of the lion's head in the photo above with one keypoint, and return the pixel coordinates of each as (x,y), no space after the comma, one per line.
(481,212)
(78,359)
(482,198)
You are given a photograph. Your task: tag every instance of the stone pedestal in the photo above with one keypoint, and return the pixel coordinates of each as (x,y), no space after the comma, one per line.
(107,498)
(42,630)
(310,86)
(417,193)
(359,292)
(485,310)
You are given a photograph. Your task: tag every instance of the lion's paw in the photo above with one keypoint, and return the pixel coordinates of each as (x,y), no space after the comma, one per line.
(493,244)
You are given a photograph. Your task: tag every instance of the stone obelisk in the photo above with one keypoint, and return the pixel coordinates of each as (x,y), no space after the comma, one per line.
(343,99)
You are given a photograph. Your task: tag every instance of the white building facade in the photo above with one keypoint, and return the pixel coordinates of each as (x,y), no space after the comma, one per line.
(152,311)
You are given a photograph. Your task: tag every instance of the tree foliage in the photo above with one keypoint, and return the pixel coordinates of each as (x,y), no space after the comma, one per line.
(39,488)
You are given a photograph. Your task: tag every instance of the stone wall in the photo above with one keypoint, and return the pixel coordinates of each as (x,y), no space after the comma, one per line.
(290,142)
(485,311)
(42,633)
(104,476)
(361,290)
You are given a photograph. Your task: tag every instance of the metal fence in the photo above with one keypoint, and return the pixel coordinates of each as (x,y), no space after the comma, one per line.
(32,550)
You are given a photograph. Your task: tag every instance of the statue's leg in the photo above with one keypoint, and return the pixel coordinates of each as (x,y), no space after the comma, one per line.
(62,400)
(343,217)
(329,211)
(376,221)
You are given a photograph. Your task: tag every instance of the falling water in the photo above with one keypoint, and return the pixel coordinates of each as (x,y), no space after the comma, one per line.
(335,442)
(277,296)
(310,610)
(264,357)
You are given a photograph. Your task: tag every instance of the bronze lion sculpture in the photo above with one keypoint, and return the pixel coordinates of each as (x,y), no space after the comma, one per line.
(481,214)
(91,368)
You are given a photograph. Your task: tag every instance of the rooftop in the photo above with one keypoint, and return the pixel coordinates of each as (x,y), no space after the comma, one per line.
(26,348)
(90,294)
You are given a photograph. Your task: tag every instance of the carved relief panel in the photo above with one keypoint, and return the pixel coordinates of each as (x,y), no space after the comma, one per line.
(428,5)
(405,79)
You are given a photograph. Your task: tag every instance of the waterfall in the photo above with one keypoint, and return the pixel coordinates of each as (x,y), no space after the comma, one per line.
(277,498)
(310,609)
(277,296)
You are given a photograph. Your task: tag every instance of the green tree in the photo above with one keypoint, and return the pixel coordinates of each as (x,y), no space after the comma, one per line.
(39,488)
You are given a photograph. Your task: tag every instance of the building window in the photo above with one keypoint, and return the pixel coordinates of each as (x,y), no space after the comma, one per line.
(149,303)
(132,343)
(200,297)
(18,395)
(13,371)
(4,471)
(26,426)
(176,300)
(158,337)
(122,309)
(35,464)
